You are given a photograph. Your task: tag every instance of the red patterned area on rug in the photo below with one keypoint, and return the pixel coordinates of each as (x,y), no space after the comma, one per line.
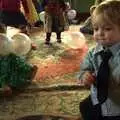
(67,64)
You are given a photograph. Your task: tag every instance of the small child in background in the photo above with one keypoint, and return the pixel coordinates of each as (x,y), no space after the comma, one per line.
(55,19)
(15,72)
(100,69)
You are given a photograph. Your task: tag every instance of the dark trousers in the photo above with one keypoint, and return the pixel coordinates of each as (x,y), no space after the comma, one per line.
(89,111)
(111,118)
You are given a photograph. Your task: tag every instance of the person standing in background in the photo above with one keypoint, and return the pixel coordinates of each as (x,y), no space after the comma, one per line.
(54,18)
(32,16)
(39,8)
(11,15)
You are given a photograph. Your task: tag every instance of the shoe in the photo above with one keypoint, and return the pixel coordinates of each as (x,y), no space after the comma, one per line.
(59,41)
(48,44)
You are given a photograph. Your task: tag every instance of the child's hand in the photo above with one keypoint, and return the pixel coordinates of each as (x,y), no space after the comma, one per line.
(87,79)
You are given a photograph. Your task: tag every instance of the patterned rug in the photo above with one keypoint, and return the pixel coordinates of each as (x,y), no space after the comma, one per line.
(54,93)
(49,117)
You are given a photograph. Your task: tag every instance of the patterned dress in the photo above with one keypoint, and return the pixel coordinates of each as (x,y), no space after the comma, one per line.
(55,19)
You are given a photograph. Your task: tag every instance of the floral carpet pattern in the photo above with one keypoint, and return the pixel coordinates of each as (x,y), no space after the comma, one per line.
(54,93)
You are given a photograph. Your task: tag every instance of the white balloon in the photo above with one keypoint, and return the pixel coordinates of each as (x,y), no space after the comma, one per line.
(42,16)
(71,14)
(75,40)
(21,44)
(5,45)
(12,31)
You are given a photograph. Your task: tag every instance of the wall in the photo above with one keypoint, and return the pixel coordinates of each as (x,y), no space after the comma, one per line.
(81,6)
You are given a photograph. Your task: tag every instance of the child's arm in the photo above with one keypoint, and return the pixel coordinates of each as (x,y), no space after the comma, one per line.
(86,75)
(87,78)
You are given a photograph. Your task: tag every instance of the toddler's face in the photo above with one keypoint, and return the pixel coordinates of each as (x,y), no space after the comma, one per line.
(105,33)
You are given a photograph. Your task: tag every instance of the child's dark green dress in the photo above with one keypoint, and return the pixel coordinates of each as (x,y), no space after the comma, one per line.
(14,71)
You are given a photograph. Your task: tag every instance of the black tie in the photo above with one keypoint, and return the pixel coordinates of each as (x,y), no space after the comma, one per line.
(102,77)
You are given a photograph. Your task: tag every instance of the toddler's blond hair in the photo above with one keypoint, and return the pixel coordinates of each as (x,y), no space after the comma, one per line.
(110,11)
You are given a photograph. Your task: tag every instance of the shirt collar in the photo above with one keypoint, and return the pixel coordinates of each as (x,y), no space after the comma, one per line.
(114,48)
